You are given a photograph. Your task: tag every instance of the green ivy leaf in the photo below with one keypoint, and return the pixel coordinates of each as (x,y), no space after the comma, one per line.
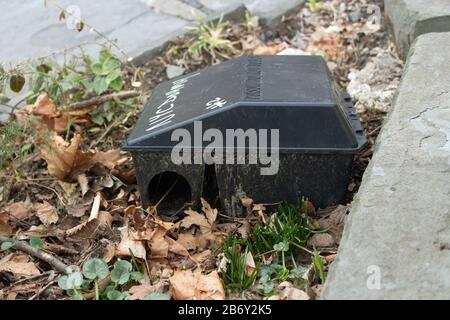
(26,148)
(73,78)
(88,85)
(121,272)
(36,242)
(104,55)
(7,245)
(38,84)
(117,84)
(110,64)
(95,269)
(157,296)
(16,82)
(4,99)
(98,119)
(44,68)
(100,85)
(97,68)
(113,75)
(116,295)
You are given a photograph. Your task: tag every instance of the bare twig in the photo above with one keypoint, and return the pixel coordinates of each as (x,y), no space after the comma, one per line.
(51,260)
(34,296)
(101,99)
(44,274)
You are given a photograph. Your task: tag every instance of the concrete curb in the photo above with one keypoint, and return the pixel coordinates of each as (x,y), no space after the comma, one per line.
(412,18)
(396,239)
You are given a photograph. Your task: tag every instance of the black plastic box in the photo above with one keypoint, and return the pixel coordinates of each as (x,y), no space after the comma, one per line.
(319,132)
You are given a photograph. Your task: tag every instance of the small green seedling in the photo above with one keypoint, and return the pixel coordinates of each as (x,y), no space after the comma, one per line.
(7,245)
(95,269)
(289,224)
(36,242)
(282,247)
(315,5)
(236,274)
(318,266)
(210,37)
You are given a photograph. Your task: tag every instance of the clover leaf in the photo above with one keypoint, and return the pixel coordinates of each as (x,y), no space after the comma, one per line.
(121,272)
(95,269)
(116,295)
(157,296)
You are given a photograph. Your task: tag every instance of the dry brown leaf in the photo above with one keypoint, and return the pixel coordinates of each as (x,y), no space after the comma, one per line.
(210,287)
(250,265)
(69,188)
(44,106)
(5,228)
(200,257)
(60,123)
(270,50)
(40,231)
(85,230)
(19,266)
(105,218)
(292,293)
(66,161)
(46,213)
(132,211)
(247,202)
(20,210)
(77,206)
(195,218)
(250,42)
(84,183)
(128,244)
(176,247)
(127,176)
(110,251)
(11,296)
(108,159)
(158,244)
(244,229)
(187,285)
(188,240)
(321,240)
(139,292)
(210,213)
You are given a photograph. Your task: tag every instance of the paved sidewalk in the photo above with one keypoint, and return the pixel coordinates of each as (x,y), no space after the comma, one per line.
(29,29)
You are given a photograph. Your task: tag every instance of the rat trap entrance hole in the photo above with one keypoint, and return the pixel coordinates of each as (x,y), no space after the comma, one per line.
(170,192)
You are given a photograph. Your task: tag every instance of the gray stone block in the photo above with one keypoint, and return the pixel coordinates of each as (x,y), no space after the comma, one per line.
(29,29)
(411,18)
(398,231)
(269,11)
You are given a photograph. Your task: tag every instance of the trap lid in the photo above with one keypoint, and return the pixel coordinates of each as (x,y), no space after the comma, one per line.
(294,94)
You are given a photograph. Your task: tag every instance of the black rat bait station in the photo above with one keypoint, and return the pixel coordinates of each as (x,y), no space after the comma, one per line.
(273,128)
